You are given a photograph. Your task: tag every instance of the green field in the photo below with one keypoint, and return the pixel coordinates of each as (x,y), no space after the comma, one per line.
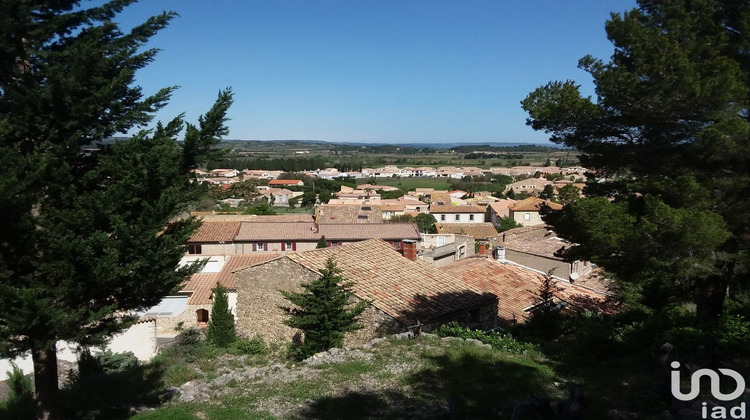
(408,184)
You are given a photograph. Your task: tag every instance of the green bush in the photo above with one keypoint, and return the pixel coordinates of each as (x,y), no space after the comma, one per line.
(255,345)
(499,341)
(108,384)
(188,337)
(19,403)
(734,333)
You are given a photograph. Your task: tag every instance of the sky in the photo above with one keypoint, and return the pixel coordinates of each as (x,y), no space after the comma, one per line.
(386,71)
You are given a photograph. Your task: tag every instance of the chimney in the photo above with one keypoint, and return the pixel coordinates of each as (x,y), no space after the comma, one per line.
(409,248)
(500,254)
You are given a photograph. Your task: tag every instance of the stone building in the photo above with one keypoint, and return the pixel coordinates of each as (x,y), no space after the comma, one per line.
(404,292)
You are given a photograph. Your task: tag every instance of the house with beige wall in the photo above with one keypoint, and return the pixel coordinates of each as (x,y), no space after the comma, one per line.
(403,292)
(228,238)
(447,213)
(527,211)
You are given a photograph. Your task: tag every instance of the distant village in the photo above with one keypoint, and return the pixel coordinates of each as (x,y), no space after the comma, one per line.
(464,270)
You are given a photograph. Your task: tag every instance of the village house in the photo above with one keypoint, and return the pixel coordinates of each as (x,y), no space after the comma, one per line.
(535,247)
(279,196)
(405,293)
(242,237)
(191,306)
(443,249)
(526,211)
(531,186)
(478,231)
(498,210)
(226,173)
(517,289)
(447,213)
(449,172)
(280,183)
(349,212)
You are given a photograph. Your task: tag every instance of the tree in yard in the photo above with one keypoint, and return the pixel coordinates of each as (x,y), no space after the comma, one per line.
(568,193)
(670,129)
(88,233)
(425,223)
(506,223)
(322,243)
(548,192)
(221,330)
(323,312)
(401,218)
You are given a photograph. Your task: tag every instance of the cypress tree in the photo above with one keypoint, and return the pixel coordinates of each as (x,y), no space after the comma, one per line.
(322,311)
(322,243)
(88,230)
(221,330)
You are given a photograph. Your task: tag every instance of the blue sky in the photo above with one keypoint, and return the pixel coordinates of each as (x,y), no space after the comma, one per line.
(395,71)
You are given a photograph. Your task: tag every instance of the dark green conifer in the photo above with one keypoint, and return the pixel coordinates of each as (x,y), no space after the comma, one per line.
(221,330)
(322,311)
(88,229)
(322,243)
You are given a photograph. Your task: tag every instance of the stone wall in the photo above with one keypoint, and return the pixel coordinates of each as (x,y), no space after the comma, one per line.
(258,297)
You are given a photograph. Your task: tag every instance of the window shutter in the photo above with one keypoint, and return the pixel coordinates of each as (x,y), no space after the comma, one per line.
(294,246)
(265,246)
(283,246)
(255,247)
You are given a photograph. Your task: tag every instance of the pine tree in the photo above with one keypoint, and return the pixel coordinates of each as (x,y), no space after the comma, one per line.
(322,311)
(88,229)
(322,243)
(221,330)
(669,130)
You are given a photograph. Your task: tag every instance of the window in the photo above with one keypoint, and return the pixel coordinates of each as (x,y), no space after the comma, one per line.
(194,249)
(442,217)
(362,217)
(471,217)
(366,208)
(527,216)
(458,217)
(259,246)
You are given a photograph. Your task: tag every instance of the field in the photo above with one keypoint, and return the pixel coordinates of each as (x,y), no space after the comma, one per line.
(354,157)
(408,184)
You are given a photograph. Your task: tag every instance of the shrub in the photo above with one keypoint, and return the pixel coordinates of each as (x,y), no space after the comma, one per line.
(499,341)
(19,403)
(255,345)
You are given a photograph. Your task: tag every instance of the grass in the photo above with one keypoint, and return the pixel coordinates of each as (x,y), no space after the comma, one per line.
(400,379)
(408,184)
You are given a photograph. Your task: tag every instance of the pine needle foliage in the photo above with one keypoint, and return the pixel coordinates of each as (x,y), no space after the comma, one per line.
(221,331)
(322,243)
(322,311)
(89,234)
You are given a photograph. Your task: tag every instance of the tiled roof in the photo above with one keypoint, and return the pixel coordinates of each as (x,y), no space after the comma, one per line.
(216,232)
(533,204)
(284,182)
(501,207)
(202,284)
(349,213)
(475,230)
(407,290)
(536,241)
(254,218)
(517,287)
(333,232)
(456,209)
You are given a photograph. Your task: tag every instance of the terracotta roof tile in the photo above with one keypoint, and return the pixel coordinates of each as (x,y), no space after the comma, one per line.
(335,232)
(407,290)
(475,230)
(533,204)
(456,209)
(516,287)
(202,284)
(215,232)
